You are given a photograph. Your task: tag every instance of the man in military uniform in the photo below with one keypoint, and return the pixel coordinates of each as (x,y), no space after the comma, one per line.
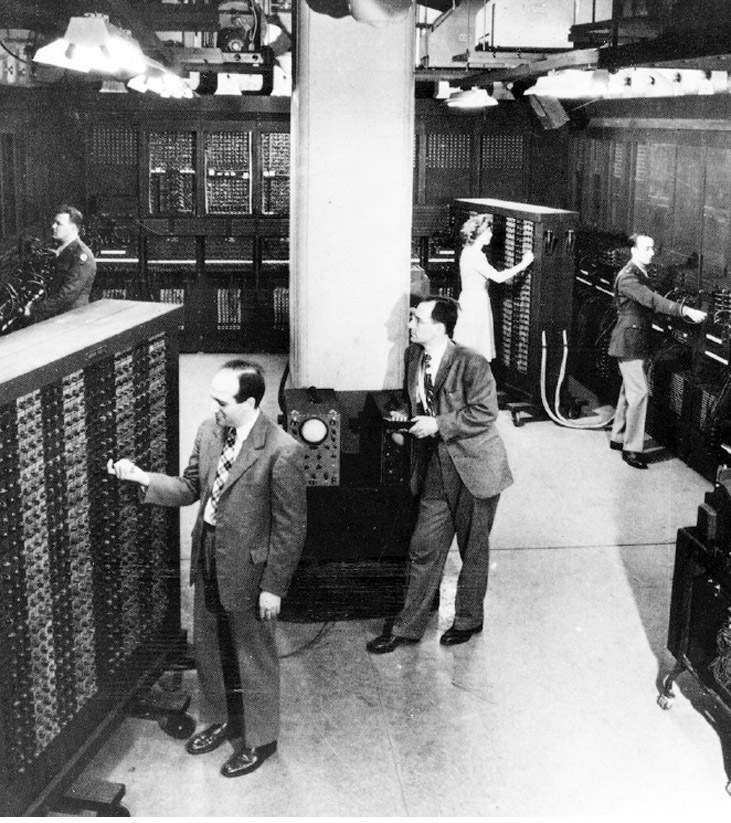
(631,345)
(75,267)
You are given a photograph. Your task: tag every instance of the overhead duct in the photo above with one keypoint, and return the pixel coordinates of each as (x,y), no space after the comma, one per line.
(373,12)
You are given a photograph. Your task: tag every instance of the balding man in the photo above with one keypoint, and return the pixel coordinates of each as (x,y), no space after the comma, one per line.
(630,344)
(248,475)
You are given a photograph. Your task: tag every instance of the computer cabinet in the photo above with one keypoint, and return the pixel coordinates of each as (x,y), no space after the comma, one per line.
(534,302)
(89,577)
(196,214)
(699,629)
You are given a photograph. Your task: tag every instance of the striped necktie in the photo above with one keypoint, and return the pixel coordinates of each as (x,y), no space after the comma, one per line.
(428,385)
(225,461)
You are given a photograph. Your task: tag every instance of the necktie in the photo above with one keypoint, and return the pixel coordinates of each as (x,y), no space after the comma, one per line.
(225,461)
(428,386)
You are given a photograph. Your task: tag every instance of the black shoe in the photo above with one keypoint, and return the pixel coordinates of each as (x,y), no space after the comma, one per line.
(385,643)
(616,446)
(209,739)
(247,760)
(454,636)
(634,459)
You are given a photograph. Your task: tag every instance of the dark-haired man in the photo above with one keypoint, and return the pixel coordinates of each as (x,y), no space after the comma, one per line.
(75,267)
(248,475)
(459,470)
(631,345)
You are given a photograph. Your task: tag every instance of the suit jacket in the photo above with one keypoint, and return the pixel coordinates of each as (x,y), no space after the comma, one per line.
(465,401)
(636,302)
(261,518)
(71,286)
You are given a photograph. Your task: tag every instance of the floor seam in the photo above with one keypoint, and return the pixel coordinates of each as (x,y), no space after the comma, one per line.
(648,544)
(387,729)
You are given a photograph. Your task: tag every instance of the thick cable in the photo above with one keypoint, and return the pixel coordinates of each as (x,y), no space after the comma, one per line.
(588,423)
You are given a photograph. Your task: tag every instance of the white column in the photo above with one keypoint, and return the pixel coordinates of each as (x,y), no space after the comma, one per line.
(351,201)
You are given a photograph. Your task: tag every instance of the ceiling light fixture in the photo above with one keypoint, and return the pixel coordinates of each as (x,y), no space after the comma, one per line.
(568,84)
(474,98)
(160,80)
(93,44)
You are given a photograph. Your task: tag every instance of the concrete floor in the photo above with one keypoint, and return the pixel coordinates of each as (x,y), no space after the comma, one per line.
(549,712)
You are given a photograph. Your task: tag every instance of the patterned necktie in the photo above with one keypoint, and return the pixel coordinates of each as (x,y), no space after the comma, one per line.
(428,386)
(225,461)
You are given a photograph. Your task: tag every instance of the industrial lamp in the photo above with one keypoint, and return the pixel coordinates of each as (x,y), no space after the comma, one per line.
(92,43)
(474,98)
(160,80)
(379,12)
(570,84)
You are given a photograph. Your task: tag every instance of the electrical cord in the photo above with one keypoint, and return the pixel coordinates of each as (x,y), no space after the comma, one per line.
(588,423)
(309,644)
(12,54)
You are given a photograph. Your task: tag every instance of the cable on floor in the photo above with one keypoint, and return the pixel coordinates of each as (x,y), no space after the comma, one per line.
(310,643)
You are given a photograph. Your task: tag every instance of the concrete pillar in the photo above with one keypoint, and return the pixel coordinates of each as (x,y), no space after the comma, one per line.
(352,173)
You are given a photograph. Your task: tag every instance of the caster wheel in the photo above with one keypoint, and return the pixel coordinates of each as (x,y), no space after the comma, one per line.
(728,787)
(664,702)
(517,421)
(119,811)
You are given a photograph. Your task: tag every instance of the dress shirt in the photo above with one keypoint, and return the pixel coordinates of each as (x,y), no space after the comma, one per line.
(436,358)
(242,432)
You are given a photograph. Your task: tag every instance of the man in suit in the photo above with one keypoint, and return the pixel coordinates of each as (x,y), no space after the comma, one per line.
(248,476)
(459,470)
(75,267)
(630,344)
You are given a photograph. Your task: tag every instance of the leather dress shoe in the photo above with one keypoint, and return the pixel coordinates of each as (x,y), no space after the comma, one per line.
(385,643)
(208,740)
(634,459)
(454,636)
(247,759)
(616,446)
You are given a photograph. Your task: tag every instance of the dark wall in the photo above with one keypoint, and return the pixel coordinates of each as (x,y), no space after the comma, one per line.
(661,166)
(41,161)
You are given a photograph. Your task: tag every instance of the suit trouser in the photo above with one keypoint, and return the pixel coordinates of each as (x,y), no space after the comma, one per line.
(447,507)
(236,659)
(631,411)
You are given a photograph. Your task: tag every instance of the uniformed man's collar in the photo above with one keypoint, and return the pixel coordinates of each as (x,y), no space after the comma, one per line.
(66,245)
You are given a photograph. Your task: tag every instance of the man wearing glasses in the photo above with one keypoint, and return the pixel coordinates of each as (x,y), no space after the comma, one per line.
(459,469)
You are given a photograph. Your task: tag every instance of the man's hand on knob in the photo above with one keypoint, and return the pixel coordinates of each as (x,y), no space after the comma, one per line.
(125,469)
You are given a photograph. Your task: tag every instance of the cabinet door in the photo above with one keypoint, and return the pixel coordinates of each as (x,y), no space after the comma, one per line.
(502,160)
(685,243)
(448,166)
(9,219)
(228,162)
(660,189)
(620,211)
(171,173)
(716,242)
(275,159)
(112,168)
(654,175)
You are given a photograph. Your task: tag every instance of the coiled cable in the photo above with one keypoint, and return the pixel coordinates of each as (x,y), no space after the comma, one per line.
(595,422)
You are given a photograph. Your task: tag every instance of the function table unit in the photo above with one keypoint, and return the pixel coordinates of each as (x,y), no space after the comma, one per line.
(89,577)
(531,303)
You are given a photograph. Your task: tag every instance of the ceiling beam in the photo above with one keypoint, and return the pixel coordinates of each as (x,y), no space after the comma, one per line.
(671,48)
(575,59)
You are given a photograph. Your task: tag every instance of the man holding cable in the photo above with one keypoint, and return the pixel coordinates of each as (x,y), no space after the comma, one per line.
(248,475)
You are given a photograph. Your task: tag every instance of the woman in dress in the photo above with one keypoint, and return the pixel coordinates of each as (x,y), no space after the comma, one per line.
(475,325)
